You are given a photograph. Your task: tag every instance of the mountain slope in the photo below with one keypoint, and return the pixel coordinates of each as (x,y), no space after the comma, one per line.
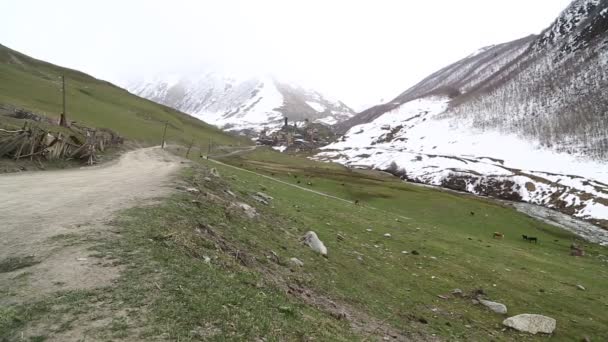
(525,120)
(35,85)
(241,104)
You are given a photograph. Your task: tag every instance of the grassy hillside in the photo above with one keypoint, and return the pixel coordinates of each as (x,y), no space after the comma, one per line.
(36,86)
(203,270)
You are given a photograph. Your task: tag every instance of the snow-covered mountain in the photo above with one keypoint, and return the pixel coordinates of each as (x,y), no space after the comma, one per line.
(525,120)
(246,105)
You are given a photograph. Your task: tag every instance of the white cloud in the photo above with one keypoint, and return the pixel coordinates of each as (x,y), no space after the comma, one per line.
(359,51)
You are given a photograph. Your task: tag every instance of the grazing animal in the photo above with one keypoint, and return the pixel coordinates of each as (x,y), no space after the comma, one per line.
(532,239)
(525,237)
(498,235)
(576,250)
(472,213)
(356,202)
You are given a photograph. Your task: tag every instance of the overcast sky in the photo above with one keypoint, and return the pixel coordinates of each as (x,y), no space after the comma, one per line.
(357,51)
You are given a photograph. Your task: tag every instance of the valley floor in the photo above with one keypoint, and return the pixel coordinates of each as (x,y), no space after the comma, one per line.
(214,261)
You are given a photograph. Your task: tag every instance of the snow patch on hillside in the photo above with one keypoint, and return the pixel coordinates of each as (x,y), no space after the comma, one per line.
(413,141)
(260,110)
(316,106)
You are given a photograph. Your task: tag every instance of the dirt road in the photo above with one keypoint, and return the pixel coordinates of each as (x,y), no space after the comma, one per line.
(40,212)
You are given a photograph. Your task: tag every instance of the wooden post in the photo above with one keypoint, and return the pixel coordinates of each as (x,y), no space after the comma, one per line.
(63,122)
(162,144)
(189,147)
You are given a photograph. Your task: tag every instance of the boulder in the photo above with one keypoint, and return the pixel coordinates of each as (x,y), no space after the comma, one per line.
(313,241)
(249,211)
(296,262)
(531,323)
(193,190)
(494,306)
(264,196)
(214,172)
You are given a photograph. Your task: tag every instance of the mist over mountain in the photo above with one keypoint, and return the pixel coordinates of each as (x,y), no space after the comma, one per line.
(241,104)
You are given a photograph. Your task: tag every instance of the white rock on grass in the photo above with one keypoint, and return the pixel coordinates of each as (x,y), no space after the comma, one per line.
(494,306)
(531,323)
(313,241)
(387,235)
(296,262)
(249,211)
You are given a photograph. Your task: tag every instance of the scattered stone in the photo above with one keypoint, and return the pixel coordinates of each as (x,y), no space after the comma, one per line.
(206,259)
(296,262)
(193,190)
(230,193)
(387,235)
(415,252)
(531,323)
(457,292)
(261,200)
(499,308)
(339,315)
(214,172)
(249,211)
(580,287)
(423,320)
(340,237)
(368,230)
(474,301)
(81,259)
(405,252)
(264,196)
(443,297)
(313,241)
(207,179)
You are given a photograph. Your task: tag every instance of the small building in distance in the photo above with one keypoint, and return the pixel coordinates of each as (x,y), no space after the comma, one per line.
(300,136)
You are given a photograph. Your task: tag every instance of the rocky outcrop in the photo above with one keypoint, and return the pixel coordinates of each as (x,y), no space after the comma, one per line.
(531,323)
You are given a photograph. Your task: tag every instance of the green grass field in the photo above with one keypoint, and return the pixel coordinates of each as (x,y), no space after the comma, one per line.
(199,269)
(36,86)
(457,250)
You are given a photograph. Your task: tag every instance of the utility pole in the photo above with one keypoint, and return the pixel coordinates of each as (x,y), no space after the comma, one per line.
(162,144)
(189,147)
(63,121)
